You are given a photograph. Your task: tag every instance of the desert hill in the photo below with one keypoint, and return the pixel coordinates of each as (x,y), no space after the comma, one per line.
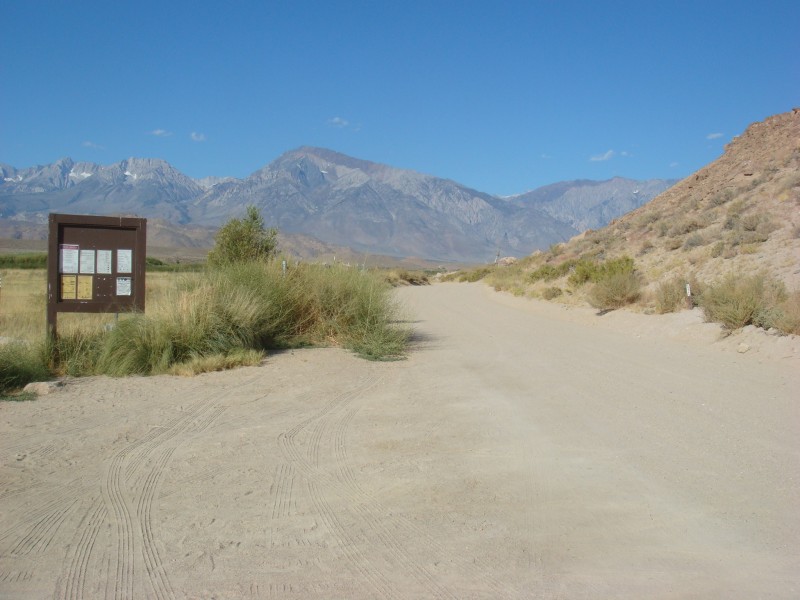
(740,214)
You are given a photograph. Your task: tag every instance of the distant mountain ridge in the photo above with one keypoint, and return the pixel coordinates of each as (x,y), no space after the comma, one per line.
(338,199)
(586,204)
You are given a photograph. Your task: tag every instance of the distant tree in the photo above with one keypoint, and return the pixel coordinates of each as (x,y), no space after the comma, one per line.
(244,240)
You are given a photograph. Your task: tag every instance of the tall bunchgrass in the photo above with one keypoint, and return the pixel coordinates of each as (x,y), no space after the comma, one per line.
(213,320)
(254,307)
(20,364)
(187,324)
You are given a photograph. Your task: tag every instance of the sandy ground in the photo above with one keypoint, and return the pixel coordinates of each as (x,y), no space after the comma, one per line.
(522,451)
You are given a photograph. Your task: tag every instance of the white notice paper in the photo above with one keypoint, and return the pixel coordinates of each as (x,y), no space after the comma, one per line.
(68,254)
(104,262)
(123,286)
(87,261)
(124,261)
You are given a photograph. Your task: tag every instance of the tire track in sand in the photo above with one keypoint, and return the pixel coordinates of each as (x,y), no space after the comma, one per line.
(132,481)
(380,524)
(89,528)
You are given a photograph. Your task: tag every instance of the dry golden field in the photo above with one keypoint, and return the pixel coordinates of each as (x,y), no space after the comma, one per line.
(23,303)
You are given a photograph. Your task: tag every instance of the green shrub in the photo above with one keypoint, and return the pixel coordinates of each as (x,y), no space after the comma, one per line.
(616,290)
(739,301)
(588,270)
(716,249)
(24,260)
(474,275)
(584,271)
(546,272)
(20,364)
(549,272)
(243,240)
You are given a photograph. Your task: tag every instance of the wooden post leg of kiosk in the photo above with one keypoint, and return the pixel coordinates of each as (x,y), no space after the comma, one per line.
(52,323)
(52,333)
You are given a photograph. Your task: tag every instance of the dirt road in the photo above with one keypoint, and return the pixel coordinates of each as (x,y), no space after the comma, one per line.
(522,451)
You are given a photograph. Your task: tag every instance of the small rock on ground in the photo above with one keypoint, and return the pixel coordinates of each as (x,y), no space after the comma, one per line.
(42,388)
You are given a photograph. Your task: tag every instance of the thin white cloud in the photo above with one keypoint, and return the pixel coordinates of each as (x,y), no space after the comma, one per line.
(713,136)
(545,156)
(91,144)
(160,133)
(605,156)
(626,154)
(338,122)
(198,137)
(673,164)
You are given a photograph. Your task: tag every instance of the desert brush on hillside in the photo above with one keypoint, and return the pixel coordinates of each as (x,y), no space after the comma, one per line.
(737,219)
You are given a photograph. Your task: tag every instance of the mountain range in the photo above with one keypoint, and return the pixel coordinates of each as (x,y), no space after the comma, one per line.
(340,200)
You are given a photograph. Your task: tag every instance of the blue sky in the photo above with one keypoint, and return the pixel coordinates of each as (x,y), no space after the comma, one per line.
(501,96)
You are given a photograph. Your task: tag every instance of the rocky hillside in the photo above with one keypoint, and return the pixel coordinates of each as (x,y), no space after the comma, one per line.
(740,214)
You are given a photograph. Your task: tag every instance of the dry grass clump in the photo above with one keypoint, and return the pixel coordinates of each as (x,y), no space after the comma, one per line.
(591,270)
(400,277)
(551,293)
(616,290)
(670,295)
(788,318)
(693,241)
(756,300)
(218,362)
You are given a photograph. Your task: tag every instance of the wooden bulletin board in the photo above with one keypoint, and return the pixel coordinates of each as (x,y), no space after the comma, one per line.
(95,264)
